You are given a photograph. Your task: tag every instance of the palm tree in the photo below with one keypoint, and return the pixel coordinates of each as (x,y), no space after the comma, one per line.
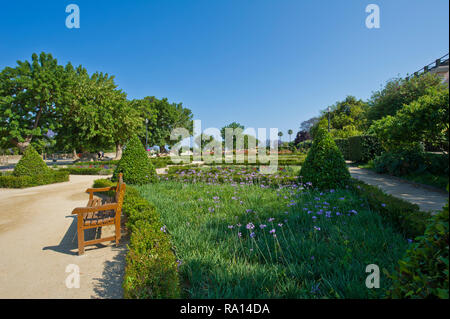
(290,133)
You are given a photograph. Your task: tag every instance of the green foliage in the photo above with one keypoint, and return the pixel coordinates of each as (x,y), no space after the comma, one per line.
(87,170)
(363,148)
(151,268)
(424,271)
(11,181)
(423,120)
(30,95)
(135,164)
(31,164)
(399,92)
(343,145)
(325,166)
(414,160)
(406,217)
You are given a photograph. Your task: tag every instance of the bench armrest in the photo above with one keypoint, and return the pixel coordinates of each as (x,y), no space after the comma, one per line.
(85,210)
(101,189)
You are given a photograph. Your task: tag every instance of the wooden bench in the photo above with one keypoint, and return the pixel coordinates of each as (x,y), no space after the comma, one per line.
(98,214)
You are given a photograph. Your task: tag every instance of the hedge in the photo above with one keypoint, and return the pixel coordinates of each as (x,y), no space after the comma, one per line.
(424,270)
(11,181)
(342,144)
(151,268)
(406,217)
(363,148)
(87,170)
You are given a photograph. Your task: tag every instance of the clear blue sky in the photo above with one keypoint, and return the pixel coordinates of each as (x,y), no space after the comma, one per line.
(262,63)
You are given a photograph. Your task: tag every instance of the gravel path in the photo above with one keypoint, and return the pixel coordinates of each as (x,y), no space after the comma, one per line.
(38,240)
(428,199)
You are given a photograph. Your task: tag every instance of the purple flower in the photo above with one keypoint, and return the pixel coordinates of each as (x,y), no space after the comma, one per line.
(262,226)
(252,235)
(230,226)
(239,234)
(410,240)
(250,226)
(271,219)
(316,228)
(272,231)
(314,217)
(383,205)
(163,229)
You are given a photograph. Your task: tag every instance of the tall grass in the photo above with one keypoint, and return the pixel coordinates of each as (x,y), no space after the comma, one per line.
(249,241)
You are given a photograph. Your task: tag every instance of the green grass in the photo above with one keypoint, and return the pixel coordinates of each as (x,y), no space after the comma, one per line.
(300,262)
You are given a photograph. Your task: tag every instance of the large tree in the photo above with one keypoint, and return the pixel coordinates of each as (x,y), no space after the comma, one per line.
(31,100)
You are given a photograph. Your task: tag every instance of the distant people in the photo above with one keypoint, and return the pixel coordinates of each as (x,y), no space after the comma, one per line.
(99,155)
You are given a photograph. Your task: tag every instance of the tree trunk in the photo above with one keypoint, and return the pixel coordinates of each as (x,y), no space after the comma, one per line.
(75,155)
(22,145)
(162,149)
(118,151)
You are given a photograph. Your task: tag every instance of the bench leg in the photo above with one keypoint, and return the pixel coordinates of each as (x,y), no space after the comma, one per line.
(80,236)
(117,233)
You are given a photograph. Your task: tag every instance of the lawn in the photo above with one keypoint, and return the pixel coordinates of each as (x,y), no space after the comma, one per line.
(236,240)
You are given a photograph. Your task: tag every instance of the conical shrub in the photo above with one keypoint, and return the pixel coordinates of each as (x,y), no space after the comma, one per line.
(325,166)
(31,164)
(135,165)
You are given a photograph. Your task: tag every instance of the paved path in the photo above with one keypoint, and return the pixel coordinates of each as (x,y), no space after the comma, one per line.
(428,199)
(38,241)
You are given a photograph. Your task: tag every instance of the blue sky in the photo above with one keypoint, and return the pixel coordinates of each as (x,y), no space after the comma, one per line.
(261,63)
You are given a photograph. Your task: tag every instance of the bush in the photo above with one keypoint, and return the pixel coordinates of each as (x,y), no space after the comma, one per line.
(406,161)
(407,218)
(135,165)
(31,164)
(11,181)
(424,271)
(87,170)
(151,269)
(363,148)
(324,166)
(342,144)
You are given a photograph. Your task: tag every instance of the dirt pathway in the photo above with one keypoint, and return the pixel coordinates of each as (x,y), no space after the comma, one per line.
(38,240)
(428,199)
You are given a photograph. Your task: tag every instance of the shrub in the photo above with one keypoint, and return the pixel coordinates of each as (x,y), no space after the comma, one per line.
(407,218)
(363,148)
(11,181)
(87,170)
(31,164)
(424,271)
(401,162)
(342,144)
(151,269)
(324,166)
(135,165)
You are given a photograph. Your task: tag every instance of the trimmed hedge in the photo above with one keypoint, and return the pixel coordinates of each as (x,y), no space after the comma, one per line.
(135,165)
(363,148)
(342,144)
(406,217)
(151,268)
(87,170)
(424,271)
(324,166)
(31,164)
(11,181)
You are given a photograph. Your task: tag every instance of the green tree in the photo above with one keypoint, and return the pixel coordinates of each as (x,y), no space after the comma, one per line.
(290,132)
(397,93)
(31,164)
(423,120)
(31,98)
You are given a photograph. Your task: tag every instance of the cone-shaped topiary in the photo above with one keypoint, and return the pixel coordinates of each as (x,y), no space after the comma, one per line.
(325,166)
(135,165)
(31,164)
